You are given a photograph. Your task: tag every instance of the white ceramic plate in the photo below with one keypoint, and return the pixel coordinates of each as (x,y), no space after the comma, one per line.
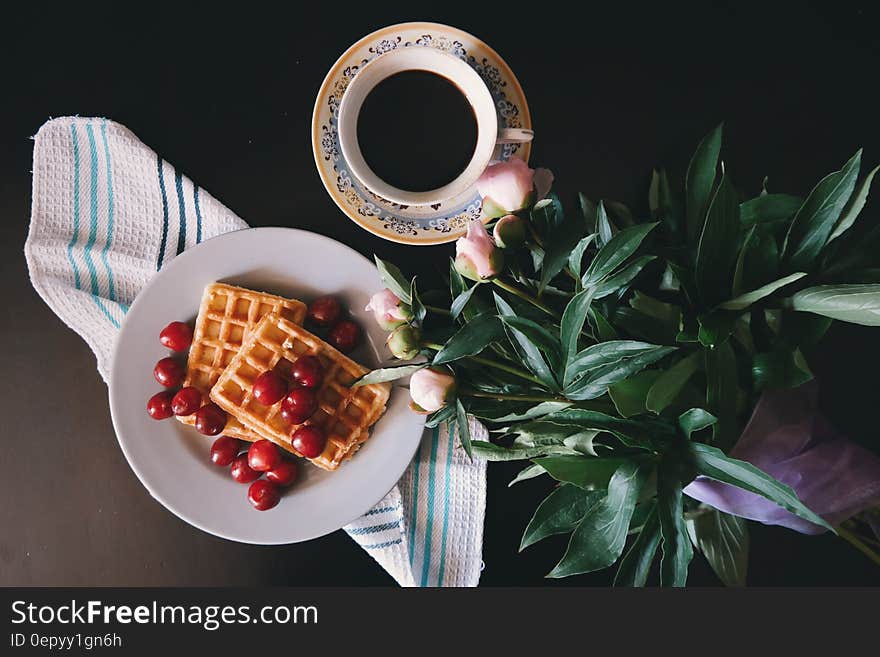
(171,459)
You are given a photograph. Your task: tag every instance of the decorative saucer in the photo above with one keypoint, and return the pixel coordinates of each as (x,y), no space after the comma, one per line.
(419,225)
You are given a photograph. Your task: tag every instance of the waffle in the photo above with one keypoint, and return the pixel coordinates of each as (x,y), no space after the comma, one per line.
(226,315)
(344,414)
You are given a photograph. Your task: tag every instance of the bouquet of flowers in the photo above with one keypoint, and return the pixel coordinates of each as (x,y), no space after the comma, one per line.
(652,365)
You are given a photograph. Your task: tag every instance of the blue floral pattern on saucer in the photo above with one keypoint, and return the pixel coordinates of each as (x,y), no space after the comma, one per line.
(433,224)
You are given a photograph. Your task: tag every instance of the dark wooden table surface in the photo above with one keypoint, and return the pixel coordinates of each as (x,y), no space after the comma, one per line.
(227,97)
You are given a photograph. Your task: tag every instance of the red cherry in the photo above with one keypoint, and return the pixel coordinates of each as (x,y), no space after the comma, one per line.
(307,371)
(177,336)
(269,388)
(263,495)
(344,336)
(187,401)
(241,471)
(224,450)
(159,405)
(283,474)
(309,441)
(210,419)
(169,372)
(263,455)
(299,405)
(325,311)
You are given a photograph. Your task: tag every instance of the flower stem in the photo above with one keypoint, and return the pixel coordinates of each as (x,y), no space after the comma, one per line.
(522,294)
(438,310)
(506,397)
(857,543)
(504,367)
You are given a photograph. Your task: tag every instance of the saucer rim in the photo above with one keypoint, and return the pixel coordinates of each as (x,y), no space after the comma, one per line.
(341,61)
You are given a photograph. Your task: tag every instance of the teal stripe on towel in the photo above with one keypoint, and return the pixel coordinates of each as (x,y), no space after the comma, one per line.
(164,241)
(415,505)
(76,281)
(429,523)
(110,214)
(198,214)
(450,447)
(93,210)
(181,206)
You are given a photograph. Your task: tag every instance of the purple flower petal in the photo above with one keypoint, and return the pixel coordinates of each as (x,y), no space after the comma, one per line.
(789,440)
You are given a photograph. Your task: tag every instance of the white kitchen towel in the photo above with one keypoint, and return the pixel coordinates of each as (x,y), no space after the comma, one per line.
(107,213)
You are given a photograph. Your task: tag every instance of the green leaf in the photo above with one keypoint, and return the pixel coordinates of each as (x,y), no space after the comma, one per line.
(596,382)
(604,353)
(669,384)
(722,391)
(663,204)
(394,280)
(699,182)
(418,307)
(768,209)
(780,368)
(471,339)
(816,218)
(667,313)
(459,302)
(437,418)
(716,253)
(497,453)
(803,329)
(573,318)
(758,261)
(570,438)
(695,420)
(504,414)
(643,433)
(724,541)
(677,551)
(529,472)
(559,513)
(538,336)
(387,374)
(743,301)
(622,277)
(636,565)
(630,394)
(714,464)
(857,304)
(558,245)
(854,206)
(601,327)
(576,259)
(715,327)
(587,472)
(532,357)
(615,252)
(599,538)
(464,430)
(604,229)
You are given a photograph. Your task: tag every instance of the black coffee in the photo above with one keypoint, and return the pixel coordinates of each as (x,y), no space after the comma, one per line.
(417,130)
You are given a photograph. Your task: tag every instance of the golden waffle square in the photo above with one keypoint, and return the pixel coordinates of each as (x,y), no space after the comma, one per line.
(344,414)
(226,315)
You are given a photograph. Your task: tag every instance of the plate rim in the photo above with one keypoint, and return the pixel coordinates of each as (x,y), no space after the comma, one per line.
(316,137)
(113,391)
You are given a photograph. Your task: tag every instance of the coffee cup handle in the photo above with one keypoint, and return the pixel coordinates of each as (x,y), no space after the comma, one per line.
(514,136)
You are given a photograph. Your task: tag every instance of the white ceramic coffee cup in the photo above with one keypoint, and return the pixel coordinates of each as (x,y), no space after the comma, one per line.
(468,82)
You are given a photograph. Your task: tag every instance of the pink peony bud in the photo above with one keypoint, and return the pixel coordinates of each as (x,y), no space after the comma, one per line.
(390,312)
(431,389)
(476,256)
(404,342)
(506,187)
(510,232)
